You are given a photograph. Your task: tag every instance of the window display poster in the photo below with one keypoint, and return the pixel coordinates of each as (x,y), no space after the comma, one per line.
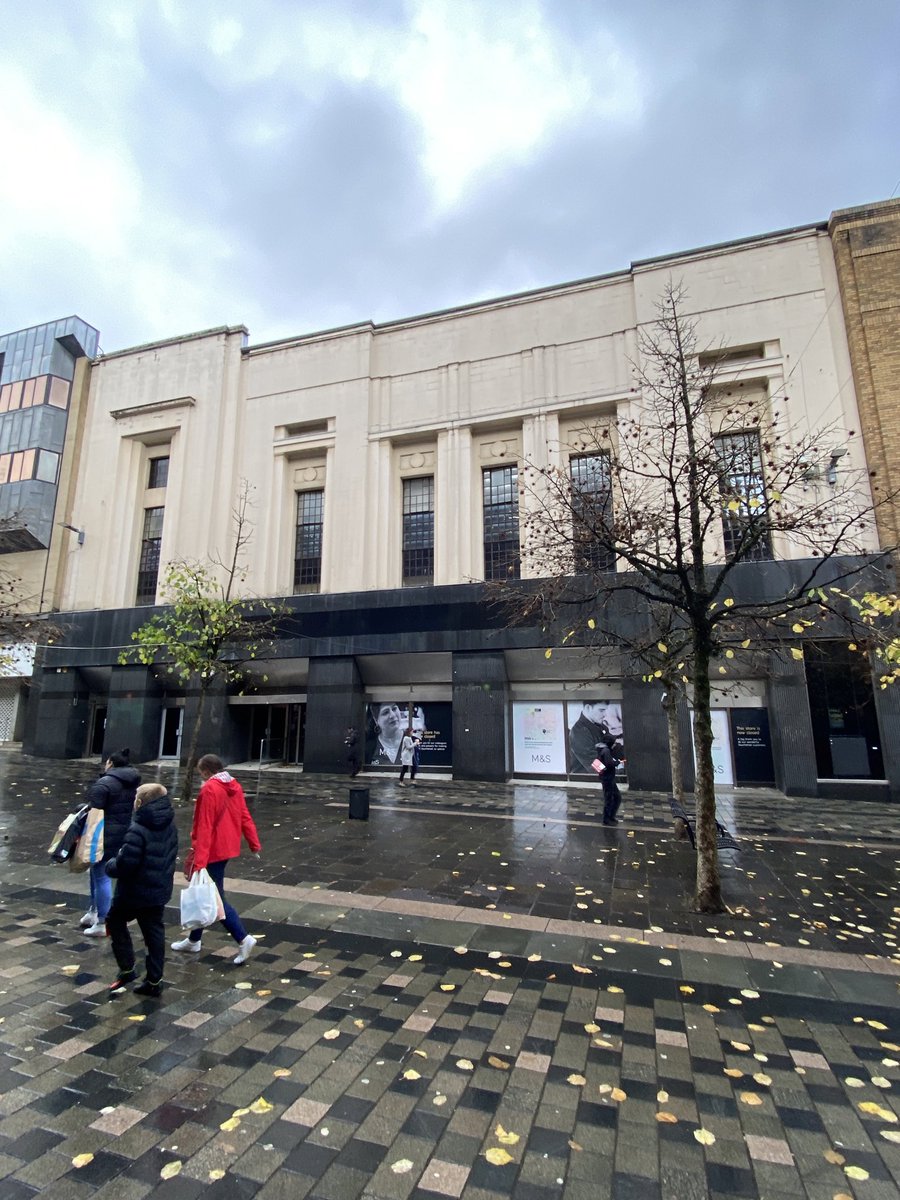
(723,773)
(539,738)
(752,745)
(431,721)
(588,722)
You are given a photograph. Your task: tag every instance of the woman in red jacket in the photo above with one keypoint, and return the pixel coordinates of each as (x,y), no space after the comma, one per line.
(220,818)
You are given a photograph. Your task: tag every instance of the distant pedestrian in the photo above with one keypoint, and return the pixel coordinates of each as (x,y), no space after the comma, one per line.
(408,757)
(351,741)
(144,871)
(221,818)
(608,760)
(114,794)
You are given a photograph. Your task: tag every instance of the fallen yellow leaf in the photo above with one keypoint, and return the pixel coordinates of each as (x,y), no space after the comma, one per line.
(465,1064)
(497,1157)
(751,1098)
(704,1137)
(505,1136)
(261,1106)
(411,1074)
(576,1080)
(734,1073)
(856,1172)
(591,1028)
(231,1124)
(281,1072)
(402,1166)
(618,1095)
(217,1173)
(81,1160)
(330,1034)
(171,1169)
(499,1063)
(666,1118)
(835,1157)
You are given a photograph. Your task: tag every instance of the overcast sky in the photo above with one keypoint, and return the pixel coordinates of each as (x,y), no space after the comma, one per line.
(169,165)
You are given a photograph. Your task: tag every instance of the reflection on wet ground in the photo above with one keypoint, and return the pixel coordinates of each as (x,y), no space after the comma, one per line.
(816,874)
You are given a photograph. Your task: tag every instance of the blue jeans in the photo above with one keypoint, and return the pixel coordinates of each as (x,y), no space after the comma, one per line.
(101,890)
(231,920)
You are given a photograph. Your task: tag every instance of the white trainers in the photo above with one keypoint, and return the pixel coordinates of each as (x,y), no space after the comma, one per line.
(187,944)
(245,949)
(98,929)
(89,918)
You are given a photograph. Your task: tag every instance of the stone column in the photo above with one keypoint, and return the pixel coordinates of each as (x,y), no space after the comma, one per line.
(793,748)
(336,699)
(56,722)
(480,706)
(134,712)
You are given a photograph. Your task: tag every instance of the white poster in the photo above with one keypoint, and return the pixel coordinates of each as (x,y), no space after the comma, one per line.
(539,738)
(723,772)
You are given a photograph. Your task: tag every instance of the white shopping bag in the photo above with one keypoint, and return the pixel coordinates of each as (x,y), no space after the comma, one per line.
(200,902)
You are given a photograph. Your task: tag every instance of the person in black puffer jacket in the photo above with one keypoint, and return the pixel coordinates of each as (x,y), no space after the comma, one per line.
(144,871)
(114,793)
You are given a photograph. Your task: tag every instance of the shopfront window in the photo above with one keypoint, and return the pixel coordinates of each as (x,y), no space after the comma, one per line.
(842,707)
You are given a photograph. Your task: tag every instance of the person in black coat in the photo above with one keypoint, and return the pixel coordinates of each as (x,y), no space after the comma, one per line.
(113,793)
(609,760)
(144,871)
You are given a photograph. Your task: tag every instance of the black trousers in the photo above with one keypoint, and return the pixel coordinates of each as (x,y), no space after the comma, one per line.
(153,930)
(612,797)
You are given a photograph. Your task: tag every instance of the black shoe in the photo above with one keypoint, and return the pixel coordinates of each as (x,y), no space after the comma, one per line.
(610,821)
(120,984)
(149,989)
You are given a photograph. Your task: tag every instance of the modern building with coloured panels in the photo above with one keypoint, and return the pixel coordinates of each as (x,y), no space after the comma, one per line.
(386,462)
(43,370)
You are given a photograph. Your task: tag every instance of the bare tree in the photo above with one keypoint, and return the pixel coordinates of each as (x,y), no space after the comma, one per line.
(208,632)
(692,480)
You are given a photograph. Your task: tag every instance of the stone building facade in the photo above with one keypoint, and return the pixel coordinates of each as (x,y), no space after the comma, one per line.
(384,462)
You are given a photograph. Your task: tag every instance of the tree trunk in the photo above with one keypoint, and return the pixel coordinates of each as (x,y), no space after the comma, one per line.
(191,763)
(670,704)
(709,887)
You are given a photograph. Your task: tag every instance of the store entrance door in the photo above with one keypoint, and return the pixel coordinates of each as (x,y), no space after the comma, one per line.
(277,733)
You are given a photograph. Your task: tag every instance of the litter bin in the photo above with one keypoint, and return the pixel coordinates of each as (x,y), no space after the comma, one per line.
(359,804)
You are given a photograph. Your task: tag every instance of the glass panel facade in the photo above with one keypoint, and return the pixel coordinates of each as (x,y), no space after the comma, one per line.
(308,541)
(148,566)
(418,530)
(501,522)
(742,481)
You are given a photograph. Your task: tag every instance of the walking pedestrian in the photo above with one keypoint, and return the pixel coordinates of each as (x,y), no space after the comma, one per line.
(608,760)
(408,757)
(144,871)
(114,794)
(221,818)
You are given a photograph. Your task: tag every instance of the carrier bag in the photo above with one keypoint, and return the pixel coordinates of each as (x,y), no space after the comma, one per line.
(89,848)
(66,837)
(201,904)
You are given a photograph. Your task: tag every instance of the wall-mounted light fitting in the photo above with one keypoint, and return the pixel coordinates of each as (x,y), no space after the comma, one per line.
(74,529)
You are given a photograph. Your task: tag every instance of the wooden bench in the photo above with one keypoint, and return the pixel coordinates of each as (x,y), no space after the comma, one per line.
(724,839)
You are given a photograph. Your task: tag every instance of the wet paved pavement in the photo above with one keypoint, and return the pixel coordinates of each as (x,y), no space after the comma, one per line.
(481,992)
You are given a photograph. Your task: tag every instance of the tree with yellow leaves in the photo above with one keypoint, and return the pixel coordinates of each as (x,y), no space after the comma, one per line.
(657,547)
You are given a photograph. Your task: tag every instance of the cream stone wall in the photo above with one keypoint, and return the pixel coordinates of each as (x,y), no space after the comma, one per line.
(354,411)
